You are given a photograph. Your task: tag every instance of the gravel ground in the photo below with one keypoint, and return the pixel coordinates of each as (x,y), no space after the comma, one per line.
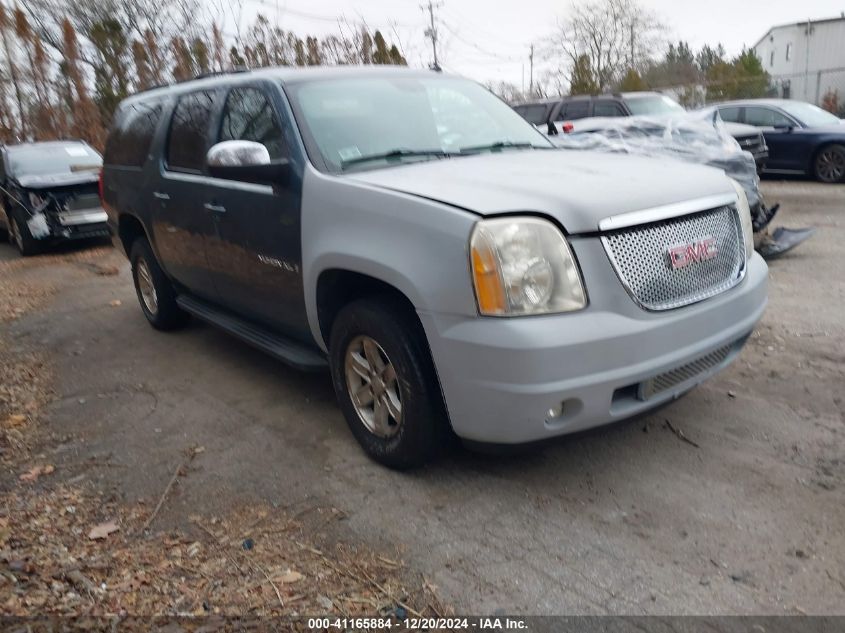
(746,517)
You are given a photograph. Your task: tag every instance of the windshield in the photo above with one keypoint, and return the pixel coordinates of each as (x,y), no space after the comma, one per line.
(49,160)
(809,115)
(657,104)
(372,122)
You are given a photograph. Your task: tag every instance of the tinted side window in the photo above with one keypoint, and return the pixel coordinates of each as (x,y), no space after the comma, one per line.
(249,116)
(764,117)
(574,110)
(132,133)
(730,115)
(188,140)
(607,108)
(534,114)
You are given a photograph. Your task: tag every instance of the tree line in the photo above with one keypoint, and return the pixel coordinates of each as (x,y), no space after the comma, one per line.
(65,66)
(618,45)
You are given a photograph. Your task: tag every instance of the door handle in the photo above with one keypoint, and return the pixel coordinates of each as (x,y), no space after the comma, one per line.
(161,195)
(215,208)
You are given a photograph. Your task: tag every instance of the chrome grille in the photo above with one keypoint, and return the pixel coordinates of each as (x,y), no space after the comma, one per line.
(640,256)
(754,143)
(679,375)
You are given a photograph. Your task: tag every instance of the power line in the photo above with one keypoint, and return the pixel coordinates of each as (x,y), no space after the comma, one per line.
(459,37)
(321,18)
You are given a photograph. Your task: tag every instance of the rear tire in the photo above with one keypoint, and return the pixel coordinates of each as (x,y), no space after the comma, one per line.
(154,290)
(386,384)
(829,164)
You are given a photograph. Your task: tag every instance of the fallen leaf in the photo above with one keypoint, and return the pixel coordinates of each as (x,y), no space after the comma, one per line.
(115,302)
(106,271)
(36,471)
(289,576)
(103,530)
(15,419)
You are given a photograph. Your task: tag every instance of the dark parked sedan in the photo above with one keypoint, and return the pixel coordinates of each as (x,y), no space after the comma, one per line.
(802,138)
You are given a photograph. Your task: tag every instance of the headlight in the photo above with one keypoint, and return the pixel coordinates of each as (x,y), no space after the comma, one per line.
(745,218)
(35,200)
(523,266)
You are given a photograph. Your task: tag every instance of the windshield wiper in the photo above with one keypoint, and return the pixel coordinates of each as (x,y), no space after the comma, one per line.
(498,145)
(394,153)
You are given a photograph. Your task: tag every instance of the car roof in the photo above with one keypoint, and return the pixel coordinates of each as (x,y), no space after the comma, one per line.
(642,93)
(45,145)
(744,102)
(604,95)
(285,75)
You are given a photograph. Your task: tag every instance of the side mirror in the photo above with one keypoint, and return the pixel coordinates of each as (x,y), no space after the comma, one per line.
(246,161)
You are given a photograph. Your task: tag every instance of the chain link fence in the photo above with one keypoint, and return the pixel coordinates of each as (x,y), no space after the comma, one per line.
(824,88)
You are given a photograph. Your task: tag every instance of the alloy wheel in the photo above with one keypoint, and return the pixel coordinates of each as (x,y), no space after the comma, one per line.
(830,165)
(146,286)
(373,387)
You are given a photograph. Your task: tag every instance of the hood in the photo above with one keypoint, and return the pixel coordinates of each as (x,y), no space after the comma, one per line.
(833,128)
(577,188)
(64,179)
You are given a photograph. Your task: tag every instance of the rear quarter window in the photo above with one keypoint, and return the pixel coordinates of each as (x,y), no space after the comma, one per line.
(132,134)
(730,115)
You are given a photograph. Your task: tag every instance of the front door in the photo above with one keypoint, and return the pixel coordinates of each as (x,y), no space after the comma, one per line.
(255,256)
(779,131)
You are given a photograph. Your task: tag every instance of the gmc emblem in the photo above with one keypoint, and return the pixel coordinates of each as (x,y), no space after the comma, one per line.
(698,250)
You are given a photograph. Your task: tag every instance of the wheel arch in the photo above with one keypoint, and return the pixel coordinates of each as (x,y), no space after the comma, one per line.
(129,229)
(338,286)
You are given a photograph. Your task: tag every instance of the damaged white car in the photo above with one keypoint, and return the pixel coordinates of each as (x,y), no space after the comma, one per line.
(49,193)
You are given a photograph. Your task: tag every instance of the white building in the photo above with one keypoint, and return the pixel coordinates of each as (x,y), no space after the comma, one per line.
(805,59)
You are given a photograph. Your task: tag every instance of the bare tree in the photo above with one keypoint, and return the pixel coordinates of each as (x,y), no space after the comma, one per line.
(614,35)
(7,35)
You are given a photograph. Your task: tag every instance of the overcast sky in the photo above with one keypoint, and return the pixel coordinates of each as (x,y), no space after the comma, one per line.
(490,40)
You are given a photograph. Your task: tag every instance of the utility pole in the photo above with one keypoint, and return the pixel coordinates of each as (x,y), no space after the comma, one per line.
(431,32)
(531,71)
(807,62)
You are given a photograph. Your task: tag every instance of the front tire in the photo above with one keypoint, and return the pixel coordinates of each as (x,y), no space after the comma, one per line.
(20,236)
(154,290)
(829,164)
(386,384)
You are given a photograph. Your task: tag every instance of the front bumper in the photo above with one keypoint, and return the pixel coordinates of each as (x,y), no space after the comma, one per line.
(516,380)
(77,225)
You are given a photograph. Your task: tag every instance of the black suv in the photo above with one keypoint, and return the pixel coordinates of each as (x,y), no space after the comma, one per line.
(48,193)
(555,116)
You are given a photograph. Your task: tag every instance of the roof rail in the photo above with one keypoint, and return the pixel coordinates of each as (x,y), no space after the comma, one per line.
(217,73)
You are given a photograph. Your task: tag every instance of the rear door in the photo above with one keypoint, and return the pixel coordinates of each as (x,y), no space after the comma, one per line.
(255,255)
(181,226)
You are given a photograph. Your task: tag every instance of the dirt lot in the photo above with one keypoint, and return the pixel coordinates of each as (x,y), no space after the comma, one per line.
(745,517)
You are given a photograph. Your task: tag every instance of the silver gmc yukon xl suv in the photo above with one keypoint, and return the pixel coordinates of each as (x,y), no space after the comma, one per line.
(456,273)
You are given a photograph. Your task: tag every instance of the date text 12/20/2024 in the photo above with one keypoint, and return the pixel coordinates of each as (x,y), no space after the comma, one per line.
(421,624)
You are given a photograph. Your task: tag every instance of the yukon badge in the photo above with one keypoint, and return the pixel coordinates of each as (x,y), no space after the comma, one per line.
(699,250)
